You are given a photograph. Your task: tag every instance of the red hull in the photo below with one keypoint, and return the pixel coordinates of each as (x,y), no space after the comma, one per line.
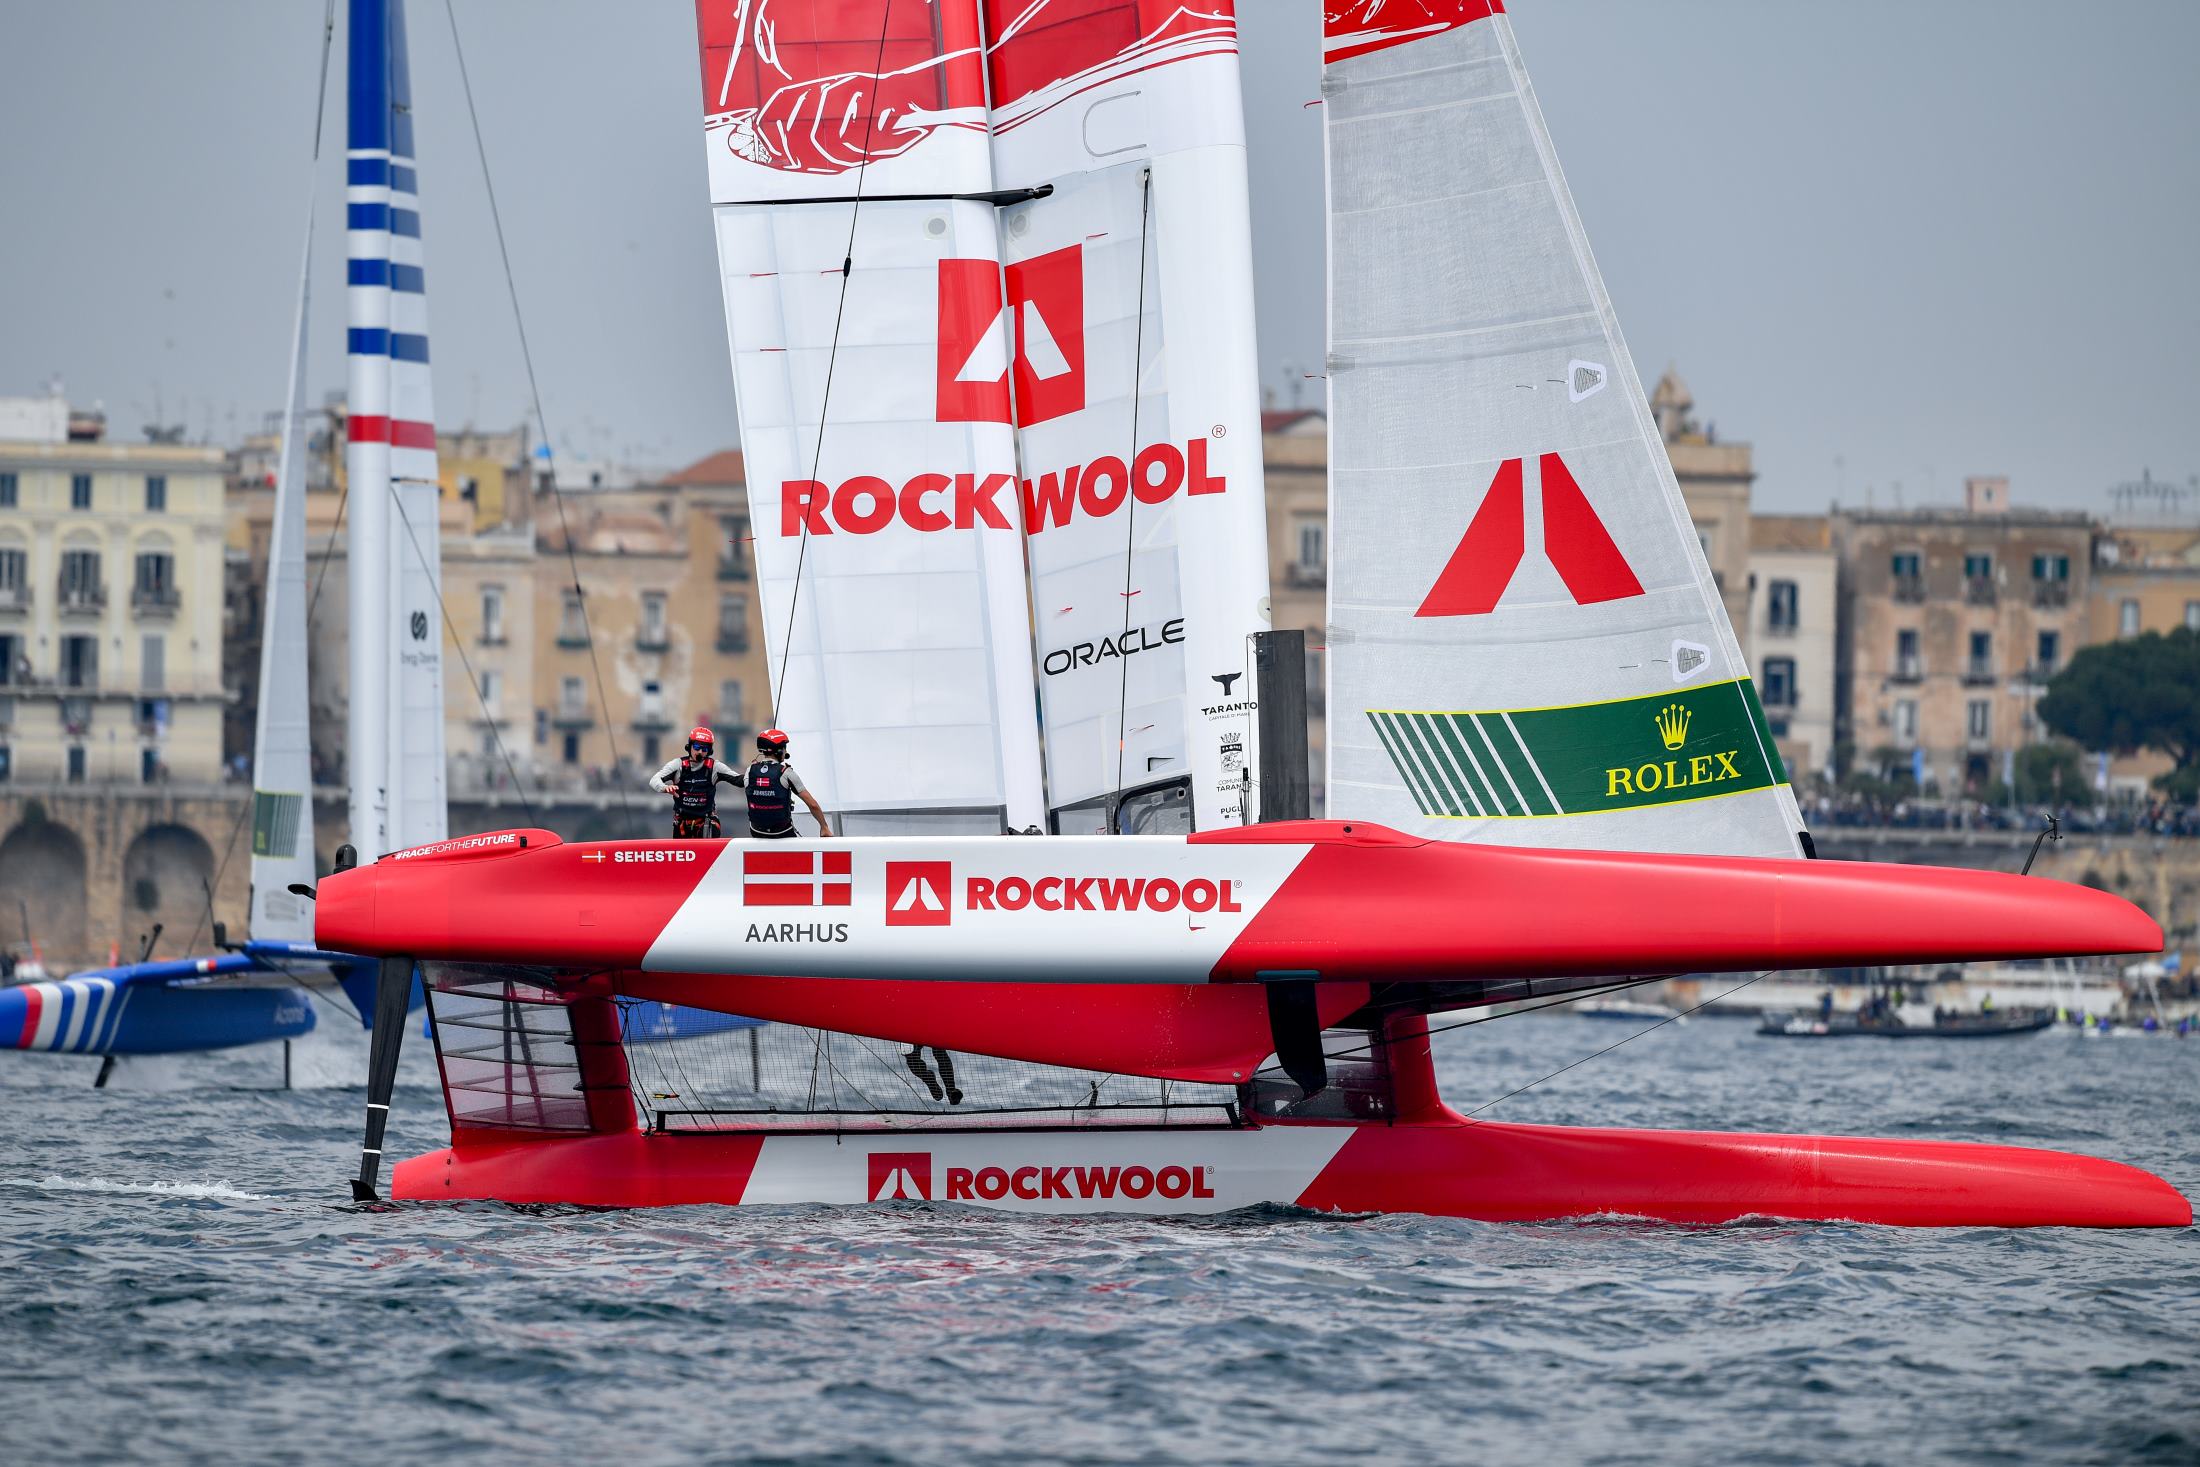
(1489,1171)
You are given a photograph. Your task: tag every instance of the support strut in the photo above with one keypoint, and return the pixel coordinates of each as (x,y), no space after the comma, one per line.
(392,987)
(1295,1027)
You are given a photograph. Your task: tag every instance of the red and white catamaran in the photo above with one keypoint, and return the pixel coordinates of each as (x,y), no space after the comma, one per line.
(986,266)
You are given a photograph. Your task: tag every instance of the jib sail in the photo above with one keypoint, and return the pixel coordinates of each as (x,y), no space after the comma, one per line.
(1526,645)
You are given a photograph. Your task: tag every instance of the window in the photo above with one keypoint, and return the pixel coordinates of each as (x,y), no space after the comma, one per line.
(149,766)
(653,750)
(80,662)
(156,580)
(2127,618)
(1982,655)
(7,762)
(733,554)
(1779,682)
(80,578)
(1905,721)
(15,574)
(80,491)
(1978,719)
(15,668)
(653,701)
(1782,606)
(1312,557)
(733,622)
(156,493)
(2050,651)
(572,748)
(653,619)
(2192,616)
(492,614)
(1906,661)
(1908,565)
(2050,567)
(1978,566)
(733,703)
(572,696)
(492,689)
(572,621)
(76,764)
(153,664)
(7,491)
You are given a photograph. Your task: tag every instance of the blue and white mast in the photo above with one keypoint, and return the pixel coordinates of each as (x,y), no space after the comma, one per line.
(395,730)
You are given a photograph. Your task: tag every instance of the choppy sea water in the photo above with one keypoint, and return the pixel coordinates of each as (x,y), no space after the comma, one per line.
(181,1279)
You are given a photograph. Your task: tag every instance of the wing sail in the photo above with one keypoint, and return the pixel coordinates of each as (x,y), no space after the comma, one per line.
(1526,645)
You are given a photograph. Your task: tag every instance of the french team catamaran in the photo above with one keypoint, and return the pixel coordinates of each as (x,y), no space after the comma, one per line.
(986,267)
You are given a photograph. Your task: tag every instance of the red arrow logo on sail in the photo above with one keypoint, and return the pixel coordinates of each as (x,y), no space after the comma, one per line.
(1580,549)
(1042,322)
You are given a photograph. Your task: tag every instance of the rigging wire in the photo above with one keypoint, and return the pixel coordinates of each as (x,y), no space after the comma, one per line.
(320,120)
(534,389)
(832,358)
(458,645)
(1130,500)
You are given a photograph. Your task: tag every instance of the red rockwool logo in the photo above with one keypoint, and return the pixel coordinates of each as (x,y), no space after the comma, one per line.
(866,504)
(1099,894)
(916,893)
(1067,1183)
(901,1176)
(1044,316)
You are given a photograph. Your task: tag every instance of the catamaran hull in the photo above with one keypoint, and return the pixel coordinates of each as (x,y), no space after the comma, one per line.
(1448,1167)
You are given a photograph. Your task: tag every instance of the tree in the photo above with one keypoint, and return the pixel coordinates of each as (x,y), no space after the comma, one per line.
(2138,692)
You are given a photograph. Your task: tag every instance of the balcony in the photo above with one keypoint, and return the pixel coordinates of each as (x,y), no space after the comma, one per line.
(2050,594)
(570,716)
(1979,674)
(733,639)
(659,640)
(1304,577)
(491,637)
(76,715)
(1909,590)
(652,720)
(15,598)
(733,568)
(2039,672)
(1908,670)
(1981,591)
(1784,626)
(155,600)
(572,636)
(82,598)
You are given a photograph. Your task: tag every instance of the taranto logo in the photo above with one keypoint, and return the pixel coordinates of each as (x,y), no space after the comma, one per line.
(1553,761)
(796,878)
(901,1176)
(1044,318)
(916,893)
(1580,549)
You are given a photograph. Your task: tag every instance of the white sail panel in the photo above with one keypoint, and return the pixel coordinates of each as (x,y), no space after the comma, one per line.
(1137,399)
(1526,644)
(282,752)
(880,461)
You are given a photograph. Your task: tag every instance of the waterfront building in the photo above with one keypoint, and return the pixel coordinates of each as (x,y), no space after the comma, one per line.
(1295,450)
(1954,620)
(1791,635)
(2146,578)
(1715,481)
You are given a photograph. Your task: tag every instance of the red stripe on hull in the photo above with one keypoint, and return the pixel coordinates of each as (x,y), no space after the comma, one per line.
(33,1004)
(626,1169)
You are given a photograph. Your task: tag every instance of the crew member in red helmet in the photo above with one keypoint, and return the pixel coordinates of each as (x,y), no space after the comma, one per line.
(692,780)
(773,787)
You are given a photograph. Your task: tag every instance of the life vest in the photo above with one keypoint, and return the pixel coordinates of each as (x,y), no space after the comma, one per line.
(697,786)
(771,804)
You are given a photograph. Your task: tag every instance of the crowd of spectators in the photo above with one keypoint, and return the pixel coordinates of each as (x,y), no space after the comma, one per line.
(1848,808)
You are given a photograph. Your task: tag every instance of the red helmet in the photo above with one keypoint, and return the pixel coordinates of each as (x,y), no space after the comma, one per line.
(772,741)
(701,738)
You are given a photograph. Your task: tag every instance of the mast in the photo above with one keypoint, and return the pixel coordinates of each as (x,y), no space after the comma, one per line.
(394,745)
(1526,643)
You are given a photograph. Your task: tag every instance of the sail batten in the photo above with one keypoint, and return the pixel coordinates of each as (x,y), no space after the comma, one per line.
(1527,644)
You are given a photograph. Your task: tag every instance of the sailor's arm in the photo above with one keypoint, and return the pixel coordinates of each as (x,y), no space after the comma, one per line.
(733,777)
(824,826)
(658,780)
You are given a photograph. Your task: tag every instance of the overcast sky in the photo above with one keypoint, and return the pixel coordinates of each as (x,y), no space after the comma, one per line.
(1890,243)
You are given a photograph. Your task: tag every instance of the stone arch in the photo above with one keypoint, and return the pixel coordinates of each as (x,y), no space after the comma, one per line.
(42,872)
(165,873)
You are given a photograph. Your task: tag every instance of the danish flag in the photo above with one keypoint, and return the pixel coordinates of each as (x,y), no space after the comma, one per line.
(901,1176)
(916,893)
(1044,318)
(1580,549)
(797,878)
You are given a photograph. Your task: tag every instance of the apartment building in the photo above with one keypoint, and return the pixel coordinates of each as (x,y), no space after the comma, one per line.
(1790,635)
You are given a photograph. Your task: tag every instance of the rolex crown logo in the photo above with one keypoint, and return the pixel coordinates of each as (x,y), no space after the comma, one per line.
(1673,725)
